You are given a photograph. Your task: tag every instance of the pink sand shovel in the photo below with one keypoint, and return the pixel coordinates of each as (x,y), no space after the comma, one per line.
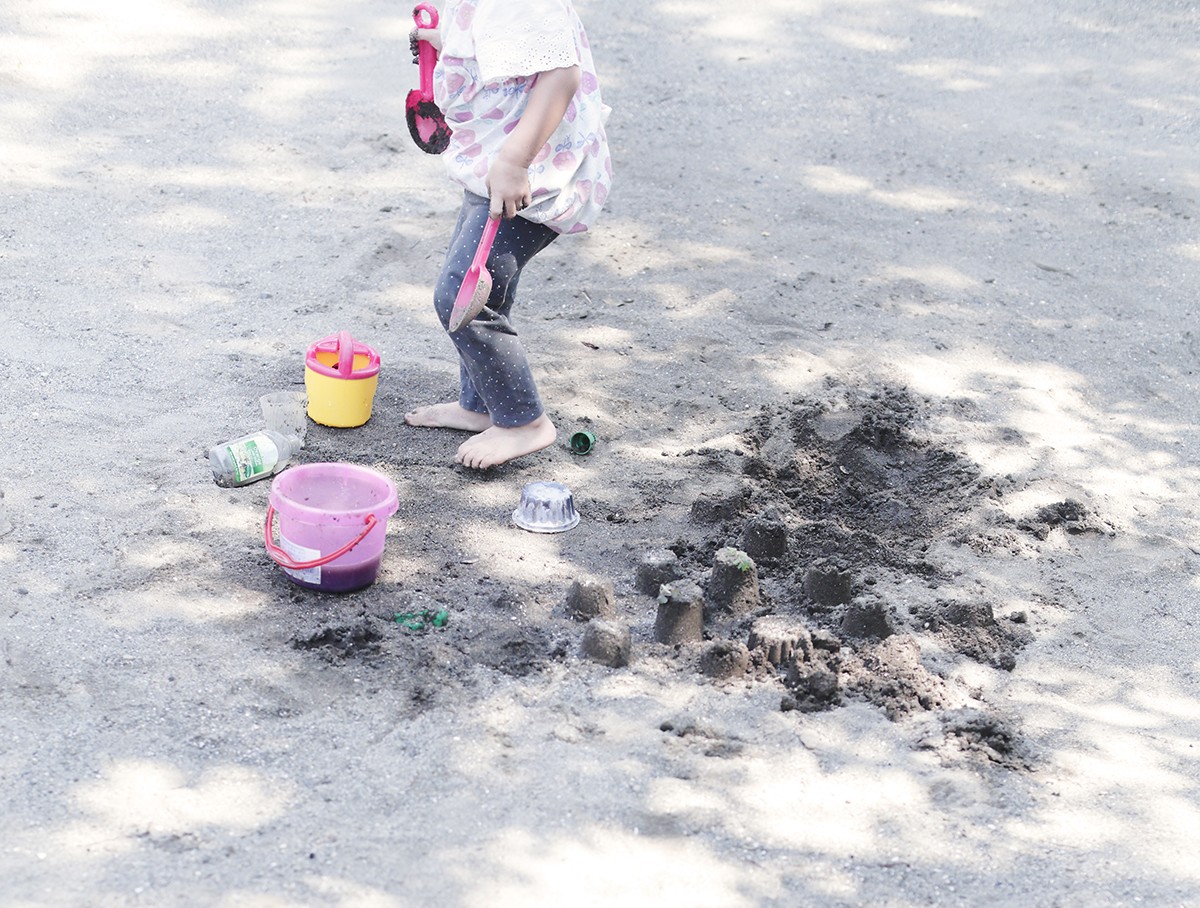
(425,120)
(477,283)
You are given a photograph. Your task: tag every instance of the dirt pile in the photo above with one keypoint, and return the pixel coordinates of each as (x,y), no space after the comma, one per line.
(830,498)
(787,573)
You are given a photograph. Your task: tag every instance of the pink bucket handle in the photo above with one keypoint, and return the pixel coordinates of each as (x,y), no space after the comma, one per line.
(346,351)
(345,348)
(283,559)
(426,55)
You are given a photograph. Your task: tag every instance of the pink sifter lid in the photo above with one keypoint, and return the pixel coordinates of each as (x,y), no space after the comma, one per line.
(345,348)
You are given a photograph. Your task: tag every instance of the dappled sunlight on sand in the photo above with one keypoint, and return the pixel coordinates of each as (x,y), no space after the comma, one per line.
(1165,703)
(164,552)
(495,495)
(952,10)
(606,337)
(410,298)
(243,899)
(1033,419)
(525,553)
(1190,251)
(404,568)
(953,75)
(836,181)
(97,31)
(337,892)
(1124,749)
(186,216)
(134,798)
(348,893)
(603,866)
(732,32)
(942,276)
(167,313)
(1044,181)
(224,513)
(185,600)
(858,39)
(843,788)
(298,74)
(836,812)
(257,168)
(32,165)
(261,345)
(1060,423)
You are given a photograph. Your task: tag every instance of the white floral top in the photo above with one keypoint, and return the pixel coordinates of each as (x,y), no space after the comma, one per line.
(492,52)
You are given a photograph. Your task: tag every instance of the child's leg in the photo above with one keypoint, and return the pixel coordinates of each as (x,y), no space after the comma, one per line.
(497,391)
(494,360)
(495,376)
(463,241)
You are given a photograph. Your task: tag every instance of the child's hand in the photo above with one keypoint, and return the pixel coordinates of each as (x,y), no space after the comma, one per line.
(508,177)
(508,188)
(432,35)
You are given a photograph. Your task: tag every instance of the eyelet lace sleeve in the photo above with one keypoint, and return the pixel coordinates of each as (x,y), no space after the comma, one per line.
(523,37)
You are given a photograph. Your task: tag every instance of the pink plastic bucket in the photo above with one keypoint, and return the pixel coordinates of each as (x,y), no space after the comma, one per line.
(332,524)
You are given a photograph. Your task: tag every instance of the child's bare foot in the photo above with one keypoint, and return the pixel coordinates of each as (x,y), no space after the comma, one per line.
(496,445)
(448,416)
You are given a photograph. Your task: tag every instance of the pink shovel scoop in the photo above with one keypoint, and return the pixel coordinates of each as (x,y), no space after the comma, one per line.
(425,120)
(477,283)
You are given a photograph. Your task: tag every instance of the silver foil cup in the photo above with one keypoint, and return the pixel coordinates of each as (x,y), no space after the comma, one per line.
(546,507)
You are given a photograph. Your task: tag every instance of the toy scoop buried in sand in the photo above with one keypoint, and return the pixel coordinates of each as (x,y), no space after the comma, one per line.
(477,282)
(425,120)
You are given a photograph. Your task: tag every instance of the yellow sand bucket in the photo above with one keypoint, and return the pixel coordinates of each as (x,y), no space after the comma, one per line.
(340,375)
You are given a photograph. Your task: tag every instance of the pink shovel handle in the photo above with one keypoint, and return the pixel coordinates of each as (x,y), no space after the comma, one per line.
(426,54)
(283,559)
(485,243)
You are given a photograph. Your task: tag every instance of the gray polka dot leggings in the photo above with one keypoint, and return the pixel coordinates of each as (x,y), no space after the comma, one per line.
(494,376)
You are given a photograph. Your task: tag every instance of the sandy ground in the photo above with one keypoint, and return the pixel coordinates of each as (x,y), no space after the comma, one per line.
(908,275)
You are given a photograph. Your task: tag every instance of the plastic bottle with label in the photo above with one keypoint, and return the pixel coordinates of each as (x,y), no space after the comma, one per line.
(252,457)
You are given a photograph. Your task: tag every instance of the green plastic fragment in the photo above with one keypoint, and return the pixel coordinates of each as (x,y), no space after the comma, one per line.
(419,621)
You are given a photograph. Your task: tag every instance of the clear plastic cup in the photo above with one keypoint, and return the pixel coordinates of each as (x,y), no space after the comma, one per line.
(286,412)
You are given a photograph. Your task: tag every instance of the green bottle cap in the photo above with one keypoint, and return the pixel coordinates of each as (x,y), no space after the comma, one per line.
(582,443)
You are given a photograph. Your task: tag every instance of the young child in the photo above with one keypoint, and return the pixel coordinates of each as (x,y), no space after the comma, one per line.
(516,83)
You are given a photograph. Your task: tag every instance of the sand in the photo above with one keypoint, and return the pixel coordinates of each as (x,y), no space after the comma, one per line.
(896,300)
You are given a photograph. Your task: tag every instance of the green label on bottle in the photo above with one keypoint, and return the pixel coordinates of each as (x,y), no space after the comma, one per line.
(252,458)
